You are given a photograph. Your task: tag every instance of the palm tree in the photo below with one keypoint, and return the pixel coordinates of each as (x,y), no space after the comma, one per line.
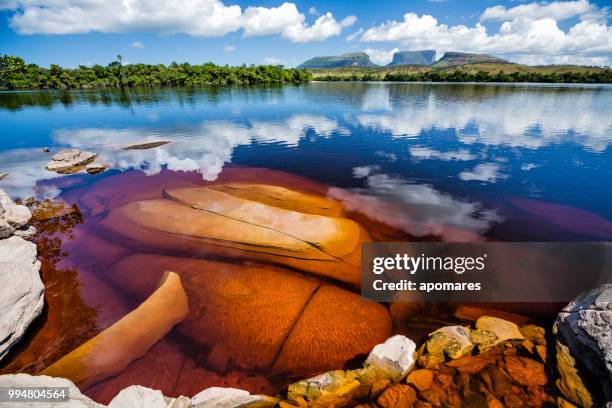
(121,73)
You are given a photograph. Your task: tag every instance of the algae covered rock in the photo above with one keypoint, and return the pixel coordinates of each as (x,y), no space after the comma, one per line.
(335,388)
(453,341)
(491,331)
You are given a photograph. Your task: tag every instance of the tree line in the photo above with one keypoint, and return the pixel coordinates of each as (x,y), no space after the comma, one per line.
(15,73)
(458,75)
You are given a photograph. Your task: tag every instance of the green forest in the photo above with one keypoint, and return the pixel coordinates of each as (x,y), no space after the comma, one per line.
(15,73)
(483,72)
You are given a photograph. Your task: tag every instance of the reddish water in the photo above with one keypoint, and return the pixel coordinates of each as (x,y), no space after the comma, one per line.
(256,322)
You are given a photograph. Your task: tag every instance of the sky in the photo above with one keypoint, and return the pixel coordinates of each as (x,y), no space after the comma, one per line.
(85,32)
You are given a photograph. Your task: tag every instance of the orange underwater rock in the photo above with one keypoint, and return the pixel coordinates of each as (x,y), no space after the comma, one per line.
(282,197)
(204,222)
(111,351)
(264,317)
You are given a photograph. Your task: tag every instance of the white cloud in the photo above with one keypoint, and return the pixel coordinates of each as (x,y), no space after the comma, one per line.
(355,35)
(485,172)
(558,10)
(381,57)
(272,61)
(527,33)
(229,48)
(324,27)
(209,18)
(313,11)
(265,21)
(205,18)
(137,44)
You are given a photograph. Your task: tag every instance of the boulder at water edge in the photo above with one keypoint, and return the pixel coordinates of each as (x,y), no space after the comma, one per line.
(21,292)
(584,348)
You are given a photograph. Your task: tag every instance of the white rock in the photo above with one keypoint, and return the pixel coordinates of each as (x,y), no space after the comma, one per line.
(21,291)
(394,357)
(16,215)
(67,161)
(66,155)
(77,400)
(218,397)
(137,396)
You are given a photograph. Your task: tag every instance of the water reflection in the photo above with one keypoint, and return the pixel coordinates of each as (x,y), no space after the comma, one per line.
(528,117)
(417,209)
(467,143)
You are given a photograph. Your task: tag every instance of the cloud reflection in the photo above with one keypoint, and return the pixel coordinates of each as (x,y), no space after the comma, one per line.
(418,209)
(205,148)
(529,118)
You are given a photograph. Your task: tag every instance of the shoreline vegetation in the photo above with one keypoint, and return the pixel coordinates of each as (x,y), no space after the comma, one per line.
(15,73)
(481,72)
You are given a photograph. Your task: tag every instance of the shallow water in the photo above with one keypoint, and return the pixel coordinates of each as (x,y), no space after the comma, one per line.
(458,162)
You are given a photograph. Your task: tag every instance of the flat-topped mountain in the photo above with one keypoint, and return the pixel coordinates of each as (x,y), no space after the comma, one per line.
(452,58)
(422,57)
(353,59)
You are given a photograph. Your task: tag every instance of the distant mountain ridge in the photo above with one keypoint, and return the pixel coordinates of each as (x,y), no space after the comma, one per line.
(452,58)
(422,57)
(353,59)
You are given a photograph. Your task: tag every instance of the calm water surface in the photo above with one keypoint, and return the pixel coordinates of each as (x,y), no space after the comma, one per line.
(512,162)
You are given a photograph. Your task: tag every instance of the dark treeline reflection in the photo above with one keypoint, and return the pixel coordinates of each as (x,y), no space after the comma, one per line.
(349,93)
(182,96)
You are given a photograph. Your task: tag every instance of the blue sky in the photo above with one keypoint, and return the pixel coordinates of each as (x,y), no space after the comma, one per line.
(74,32)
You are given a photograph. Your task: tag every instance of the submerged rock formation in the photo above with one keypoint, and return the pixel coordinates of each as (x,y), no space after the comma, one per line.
(112,350)
(21,292)
(584,348)
(216,220)
(146,145)
(316,326)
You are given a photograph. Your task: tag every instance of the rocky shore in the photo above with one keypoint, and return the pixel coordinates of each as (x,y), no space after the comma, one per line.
(495,364)
(21,291)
